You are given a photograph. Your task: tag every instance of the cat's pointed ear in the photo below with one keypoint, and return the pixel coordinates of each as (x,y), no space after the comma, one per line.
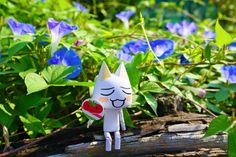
(104,72)
(121,72)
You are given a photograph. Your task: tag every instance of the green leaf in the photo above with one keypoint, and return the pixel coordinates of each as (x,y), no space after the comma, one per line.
(232,87)
(16,47)
(208,52)
(214,108)
(148,86)
(222,37)
(35,83)
(219,124)
(25,37)
(151,100)
(32,125)
(6,116)
(28,101)
(77,83)
(43,111)
(24,73)
(128,120)
(138,59)
(173,89)
(55,74)
(52,123)
(232,141)
(132,70)
(223,94)
(24,63)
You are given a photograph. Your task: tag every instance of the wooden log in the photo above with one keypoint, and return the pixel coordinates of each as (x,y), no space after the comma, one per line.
(164,135)
(156,144)
(158,136)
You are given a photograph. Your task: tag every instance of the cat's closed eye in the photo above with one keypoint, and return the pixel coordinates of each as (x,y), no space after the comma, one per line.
(107,91)
(126,90)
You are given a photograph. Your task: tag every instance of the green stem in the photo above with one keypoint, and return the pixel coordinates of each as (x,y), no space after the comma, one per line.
(146,37)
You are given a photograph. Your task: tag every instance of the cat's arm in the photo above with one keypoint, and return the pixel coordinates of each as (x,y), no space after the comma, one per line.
(122,122)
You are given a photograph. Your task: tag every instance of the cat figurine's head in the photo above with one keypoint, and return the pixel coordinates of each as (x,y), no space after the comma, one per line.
(113,91)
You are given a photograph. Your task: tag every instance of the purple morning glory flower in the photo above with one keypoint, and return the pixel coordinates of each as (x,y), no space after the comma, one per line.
(125,56)
(68,58)
(187,28)
(124,17)
(58,30)
(183,28)
(173,28)
(130,49)
(232,46)
(183,60)
(162,47)
(229,72)
(80,7)
(210,35)
(19,28)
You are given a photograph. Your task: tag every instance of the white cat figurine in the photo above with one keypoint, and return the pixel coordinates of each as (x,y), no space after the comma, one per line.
(114,92)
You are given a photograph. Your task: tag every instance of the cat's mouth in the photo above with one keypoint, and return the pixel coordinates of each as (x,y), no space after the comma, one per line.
(118,103)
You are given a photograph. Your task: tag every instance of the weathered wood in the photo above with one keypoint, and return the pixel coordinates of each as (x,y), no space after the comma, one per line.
(149,137)
(169,134)
(186,127)
(156,144)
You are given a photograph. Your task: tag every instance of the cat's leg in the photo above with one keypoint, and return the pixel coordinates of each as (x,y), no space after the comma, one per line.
(117,140)
(108,141)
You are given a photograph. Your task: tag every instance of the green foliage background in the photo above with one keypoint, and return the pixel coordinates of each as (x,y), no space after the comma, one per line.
(35,99)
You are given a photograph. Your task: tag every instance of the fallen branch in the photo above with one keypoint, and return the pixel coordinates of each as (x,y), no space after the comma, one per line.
(15,151)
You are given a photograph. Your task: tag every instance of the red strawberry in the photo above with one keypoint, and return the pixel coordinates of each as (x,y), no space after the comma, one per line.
(92,107)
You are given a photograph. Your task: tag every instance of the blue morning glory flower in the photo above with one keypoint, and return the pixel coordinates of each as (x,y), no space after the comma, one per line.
(19,28)
(124,17)
(184,60)
(183,28)
(130,49)
(68,58)
(173,28)
(80,7)
(229,72)
(162,47)
(58,30)
(232,46)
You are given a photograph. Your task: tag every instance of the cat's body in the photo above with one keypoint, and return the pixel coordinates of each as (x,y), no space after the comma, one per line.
(114,92)
(114,115)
